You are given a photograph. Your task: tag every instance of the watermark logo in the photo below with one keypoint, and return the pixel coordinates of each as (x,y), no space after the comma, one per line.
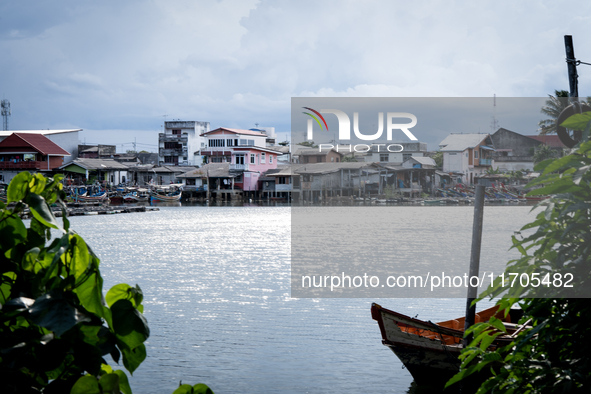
(345,124)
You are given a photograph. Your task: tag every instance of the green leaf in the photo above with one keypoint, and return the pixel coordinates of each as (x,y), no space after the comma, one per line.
(129,324)
(201,388)
(86,385)
(184,389)
(133,358)
(498,324)
(558,163)
(90,294)
(109,383)
(80,256)
(118,292)
(123,382)
(577,121)
(41,211)
(55,313)
(18,187)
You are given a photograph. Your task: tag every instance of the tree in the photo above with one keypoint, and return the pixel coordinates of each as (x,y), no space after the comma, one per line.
(309,144)
(554,106)
(554,355)
(544,152)
(349,158)
(438,157)
(57,326)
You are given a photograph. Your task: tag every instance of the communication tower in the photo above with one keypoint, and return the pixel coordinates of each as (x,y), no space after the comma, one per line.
(5,106)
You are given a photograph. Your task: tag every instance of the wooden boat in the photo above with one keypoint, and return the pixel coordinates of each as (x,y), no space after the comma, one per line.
(165,195)
(430,350)
(140,195)
(98,197)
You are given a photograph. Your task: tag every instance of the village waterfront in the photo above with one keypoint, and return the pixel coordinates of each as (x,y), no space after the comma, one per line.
(216,282)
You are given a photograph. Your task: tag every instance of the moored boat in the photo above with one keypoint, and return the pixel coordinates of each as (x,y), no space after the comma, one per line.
(165,195)
(430,350)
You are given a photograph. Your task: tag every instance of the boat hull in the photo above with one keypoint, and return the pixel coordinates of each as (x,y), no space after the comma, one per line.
(428,350)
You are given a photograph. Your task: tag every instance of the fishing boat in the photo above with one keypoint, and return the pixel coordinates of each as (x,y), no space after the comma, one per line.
(97,197)
(430,350)
(139,195)
(165,194)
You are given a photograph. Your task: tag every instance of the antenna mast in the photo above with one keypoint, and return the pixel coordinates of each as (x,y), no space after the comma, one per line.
(5,105)
(494,124)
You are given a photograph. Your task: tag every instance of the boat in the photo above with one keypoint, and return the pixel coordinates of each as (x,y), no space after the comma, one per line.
(97,197)
(140,195)
(165,194)
(430,350)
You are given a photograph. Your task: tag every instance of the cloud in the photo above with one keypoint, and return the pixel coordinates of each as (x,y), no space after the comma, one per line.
(122,65)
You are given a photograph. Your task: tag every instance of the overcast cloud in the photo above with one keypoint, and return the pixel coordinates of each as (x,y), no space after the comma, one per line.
(114,66)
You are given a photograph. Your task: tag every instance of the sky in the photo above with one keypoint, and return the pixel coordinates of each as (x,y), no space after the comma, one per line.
(118,69)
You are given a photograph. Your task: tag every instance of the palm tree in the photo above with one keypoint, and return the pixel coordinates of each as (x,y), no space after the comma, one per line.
(554,106)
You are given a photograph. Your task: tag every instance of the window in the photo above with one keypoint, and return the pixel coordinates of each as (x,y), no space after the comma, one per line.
(176,132)
(406,156)
(307,178)
(252,158)
(230,142)
(283,180)
(216,159)
(476,154)
(246,142)
(172,145)
(270,159)
(384,157)
(240,159)
(216,143)
(263,157)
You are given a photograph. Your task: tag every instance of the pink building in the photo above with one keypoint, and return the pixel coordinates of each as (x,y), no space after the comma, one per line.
(244,150)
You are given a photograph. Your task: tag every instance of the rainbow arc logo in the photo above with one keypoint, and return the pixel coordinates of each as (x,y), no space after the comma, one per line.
(315,118)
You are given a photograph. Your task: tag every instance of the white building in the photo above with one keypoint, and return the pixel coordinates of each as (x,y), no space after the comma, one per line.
(467,155)
(181,143)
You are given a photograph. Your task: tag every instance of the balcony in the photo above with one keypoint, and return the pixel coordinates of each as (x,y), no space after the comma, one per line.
(180,138)
(173,152)
(484,162)
(23,165)
(239,167)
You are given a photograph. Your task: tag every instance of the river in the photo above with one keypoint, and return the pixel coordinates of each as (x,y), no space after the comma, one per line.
(216,283)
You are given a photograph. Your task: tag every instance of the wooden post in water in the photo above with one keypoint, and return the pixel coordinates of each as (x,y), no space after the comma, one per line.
(474,259)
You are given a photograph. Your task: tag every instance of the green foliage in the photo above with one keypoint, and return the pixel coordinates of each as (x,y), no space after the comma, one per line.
(55,326)
(554,355)
(544,152)
(350,157)
(438,157)
(554,106)
(309,144)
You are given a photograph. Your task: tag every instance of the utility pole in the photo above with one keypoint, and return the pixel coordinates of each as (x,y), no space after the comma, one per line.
(572,68)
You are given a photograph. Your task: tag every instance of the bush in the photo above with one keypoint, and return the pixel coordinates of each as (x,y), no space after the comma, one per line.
(56,326)
(554,355)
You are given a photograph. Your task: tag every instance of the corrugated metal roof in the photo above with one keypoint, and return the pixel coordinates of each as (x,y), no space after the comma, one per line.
(327,168)
(215,170)
(428,161)
(97,164)
(461,142)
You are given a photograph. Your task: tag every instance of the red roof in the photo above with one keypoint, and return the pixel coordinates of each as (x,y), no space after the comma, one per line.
(551,140)
(38,142)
